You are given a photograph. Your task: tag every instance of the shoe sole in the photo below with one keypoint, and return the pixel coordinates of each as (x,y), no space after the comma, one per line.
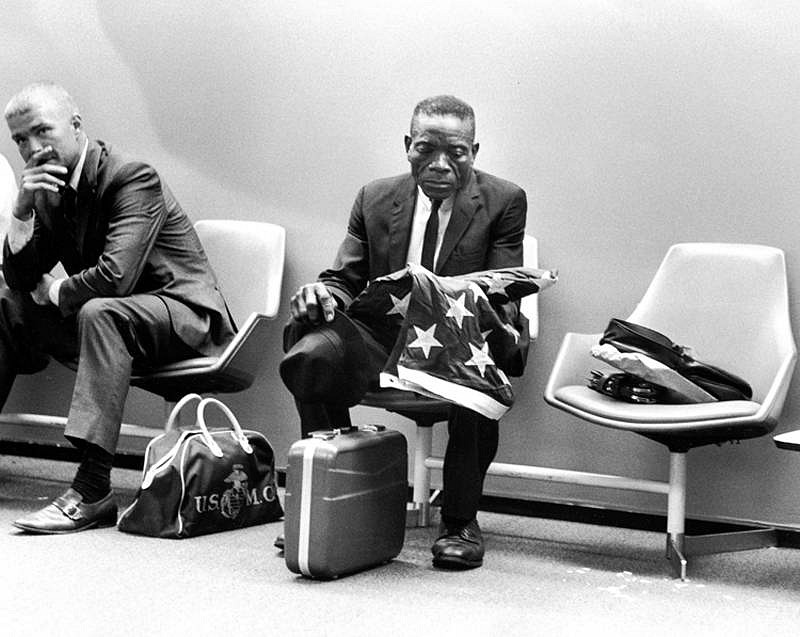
(92,525)
(455,564)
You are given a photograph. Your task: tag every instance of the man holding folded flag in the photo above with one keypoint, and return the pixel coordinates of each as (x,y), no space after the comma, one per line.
(446,219)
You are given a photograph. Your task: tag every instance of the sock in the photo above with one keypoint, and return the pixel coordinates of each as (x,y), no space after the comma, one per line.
(93,479)
(454,523)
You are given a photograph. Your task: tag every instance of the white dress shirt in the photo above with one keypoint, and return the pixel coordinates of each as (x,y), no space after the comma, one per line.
(8,194)
(422,211)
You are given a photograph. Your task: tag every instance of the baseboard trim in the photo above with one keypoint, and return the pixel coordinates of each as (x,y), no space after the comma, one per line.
(552,510)
(66,453)
(589,514)
(586,514)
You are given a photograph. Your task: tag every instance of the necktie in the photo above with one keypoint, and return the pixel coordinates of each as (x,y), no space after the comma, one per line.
(431,234)
(69,200)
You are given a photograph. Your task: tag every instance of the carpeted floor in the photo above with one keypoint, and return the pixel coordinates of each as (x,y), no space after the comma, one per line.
(541,577)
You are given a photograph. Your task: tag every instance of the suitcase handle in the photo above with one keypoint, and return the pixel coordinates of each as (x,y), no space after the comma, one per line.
(237,429)
(329,434)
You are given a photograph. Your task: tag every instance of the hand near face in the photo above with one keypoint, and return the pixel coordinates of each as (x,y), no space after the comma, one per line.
(41,183)
(314,303)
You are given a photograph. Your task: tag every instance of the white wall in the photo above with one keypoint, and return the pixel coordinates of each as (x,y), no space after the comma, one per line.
(631,125)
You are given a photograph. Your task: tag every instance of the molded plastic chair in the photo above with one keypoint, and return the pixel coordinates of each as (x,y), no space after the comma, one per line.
(426,412)
(248,258)
(730,303)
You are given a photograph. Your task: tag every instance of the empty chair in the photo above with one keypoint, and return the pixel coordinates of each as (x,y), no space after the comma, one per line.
(730,303)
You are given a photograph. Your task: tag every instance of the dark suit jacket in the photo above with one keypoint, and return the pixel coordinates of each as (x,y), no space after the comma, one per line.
(128,235)
(486,230)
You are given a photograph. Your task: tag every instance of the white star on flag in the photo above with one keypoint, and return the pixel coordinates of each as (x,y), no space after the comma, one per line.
(480,358)
(458,310)
(399,306)
(425,340)
(498,284)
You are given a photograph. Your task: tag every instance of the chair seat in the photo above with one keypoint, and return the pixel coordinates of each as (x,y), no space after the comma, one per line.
(399,400)
(661,418)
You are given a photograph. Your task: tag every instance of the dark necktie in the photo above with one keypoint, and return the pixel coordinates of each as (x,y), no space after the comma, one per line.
(69,199)
(431,234)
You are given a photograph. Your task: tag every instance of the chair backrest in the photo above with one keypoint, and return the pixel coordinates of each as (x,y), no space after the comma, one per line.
(530,304)
(730,303)
(247,257)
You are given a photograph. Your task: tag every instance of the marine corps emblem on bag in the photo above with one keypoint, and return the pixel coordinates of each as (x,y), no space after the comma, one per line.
(235,498)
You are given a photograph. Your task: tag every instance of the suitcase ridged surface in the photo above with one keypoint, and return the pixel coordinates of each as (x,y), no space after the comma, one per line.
(345,502)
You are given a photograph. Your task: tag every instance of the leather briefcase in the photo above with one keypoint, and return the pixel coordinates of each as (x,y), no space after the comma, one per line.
(630,337)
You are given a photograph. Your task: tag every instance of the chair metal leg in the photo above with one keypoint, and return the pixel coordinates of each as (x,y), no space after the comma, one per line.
(681,546)
(676,513)
(422,478)
(675,555)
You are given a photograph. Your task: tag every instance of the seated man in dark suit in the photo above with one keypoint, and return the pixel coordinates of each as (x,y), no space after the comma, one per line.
(451,219)
(139,290)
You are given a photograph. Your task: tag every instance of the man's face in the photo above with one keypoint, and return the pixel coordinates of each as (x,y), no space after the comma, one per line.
(441,152)
(47,124)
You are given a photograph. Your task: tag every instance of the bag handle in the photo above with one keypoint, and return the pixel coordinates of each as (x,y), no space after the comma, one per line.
(150,474)
(239,434)
(177,409)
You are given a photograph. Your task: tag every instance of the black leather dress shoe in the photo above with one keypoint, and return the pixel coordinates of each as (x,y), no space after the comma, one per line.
(279,542)
(459,548)
(68,514)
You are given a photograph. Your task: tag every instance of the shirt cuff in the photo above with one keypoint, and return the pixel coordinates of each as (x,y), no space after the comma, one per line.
(53,290)
(19,233)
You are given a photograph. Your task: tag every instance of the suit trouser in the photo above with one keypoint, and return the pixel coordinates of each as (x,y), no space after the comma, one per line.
(472,438)
(108,336)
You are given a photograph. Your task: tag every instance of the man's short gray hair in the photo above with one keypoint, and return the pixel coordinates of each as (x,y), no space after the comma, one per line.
(32,94)
(445,105)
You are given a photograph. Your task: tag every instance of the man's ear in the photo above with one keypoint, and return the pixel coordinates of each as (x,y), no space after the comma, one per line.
(475,148)
(77,123)
(407,141)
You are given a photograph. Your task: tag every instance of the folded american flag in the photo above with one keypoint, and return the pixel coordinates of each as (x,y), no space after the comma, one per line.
(442,325)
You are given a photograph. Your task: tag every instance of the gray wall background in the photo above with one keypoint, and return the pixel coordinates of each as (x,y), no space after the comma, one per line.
(631,125)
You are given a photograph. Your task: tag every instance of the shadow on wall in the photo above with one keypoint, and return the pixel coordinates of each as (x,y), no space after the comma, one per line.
(268,114)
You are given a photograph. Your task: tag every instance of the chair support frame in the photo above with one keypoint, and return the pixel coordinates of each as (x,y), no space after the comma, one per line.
(679,546)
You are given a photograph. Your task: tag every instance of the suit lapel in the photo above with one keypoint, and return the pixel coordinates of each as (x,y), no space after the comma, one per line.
(400,227)
(87,189)
(464,208)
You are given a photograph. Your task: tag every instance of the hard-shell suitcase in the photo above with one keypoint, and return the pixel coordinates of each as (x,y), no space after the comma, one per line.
(345,500)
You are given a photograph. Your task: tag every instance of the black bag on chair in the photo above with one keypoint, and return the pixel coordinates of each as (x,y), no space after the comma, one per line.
(630,337)
(200,480)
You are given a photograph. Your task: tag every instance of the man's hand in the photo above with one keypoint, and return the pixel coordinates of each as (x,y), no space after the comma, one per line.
(41,294)
(39,178)
(313,302)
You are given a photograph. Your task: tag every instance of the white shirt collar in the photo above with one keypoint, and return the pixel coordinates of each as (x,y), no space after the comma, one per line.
(76,174)
(422,210)
(447,204)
